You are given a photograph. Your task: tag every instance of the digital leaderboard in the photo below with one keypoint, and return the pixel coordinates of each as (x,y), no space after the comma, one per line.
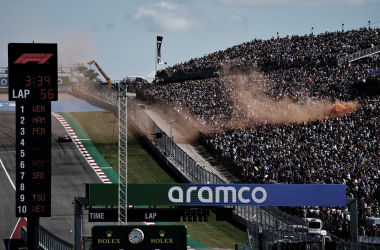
(33,72)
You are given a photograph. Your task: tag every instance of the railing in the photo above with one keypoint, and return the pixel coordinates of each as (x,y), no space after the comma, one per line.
(187,165)
(48,240)
(369,239)
(358,55)
(346,245)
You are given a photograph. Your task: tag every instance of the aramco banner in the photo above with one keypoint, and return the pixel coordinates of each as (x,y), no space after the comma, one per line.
(237,194)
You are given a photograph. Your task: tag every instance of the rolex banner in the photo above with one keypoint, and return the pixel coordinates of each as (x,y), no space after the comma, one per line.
(110,237)
(159,42)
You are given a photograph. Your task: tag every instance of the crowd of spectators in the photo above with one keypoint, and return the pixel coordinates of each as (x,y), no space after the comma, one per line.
(219,102)
(285,52)
(277,126)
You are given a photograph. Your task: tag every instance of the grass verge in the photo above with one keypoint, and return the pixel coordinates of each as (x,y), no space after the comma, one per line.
(145,167)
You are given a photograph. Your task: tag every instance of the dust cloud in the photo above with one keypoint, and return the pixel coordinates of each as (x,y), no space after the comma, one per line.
(339,109)
(252,105)
(260,108)
(76,47)
(187,127)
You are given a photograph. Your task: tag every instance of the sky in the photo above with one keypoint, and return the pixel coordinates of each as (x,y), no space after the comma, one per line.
(120,35)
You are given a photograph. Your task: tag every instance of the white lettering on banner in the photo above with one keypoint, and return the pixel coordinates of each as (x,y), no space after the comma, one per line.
(259,189)
(22,93)
(240,194)
(200,194)
(225,191)
(150,216)
(180,194)
(188,193)
(97,216)
(218,191)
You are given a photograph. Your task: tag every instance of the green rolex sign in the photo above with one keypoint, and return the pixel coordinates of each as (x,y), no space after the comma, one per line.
(139,237)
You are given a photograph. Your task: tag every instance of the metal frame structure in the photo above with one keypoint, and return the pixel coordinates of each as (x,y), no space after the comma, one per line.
(123,130)
(359,55)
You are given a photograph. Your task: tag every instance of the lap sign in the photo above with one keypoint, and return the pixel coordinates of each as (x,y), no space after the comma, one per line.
(150,216)
(22,93)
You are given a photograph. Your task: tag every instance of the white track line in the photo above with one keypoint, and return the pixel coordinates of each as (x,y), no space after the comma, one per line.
(6,172)
(10,238)
(10,180)
(84,152)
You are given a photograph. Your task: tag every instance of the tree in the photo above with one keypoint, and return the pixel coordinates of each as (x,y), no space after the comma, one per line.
(82,73)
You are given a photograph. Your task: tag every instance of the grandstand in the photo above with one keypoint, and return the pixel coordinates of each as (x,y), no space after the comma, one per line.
(289,110)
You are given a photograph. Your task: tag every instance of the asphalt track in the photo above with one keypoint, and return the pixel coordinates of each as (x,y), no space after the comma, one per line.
(70,172)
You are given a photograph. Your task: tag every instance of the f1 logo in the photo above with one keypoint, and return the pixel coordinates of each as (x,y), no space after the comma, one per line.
(41,58)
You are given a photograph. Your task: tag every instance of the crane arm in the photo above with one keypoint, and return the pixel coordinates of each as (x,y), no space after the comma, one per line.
(109,85)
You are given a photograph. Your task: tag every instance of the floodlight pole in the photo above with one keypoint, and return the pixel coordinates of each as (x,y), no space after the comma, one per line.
(155,62)
(171,133)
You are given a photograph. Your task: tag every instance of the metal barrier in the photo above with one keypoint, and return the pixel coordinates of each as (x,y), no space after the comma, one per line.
(346,245)
(47,240)
(360,54)
(179,158)
(369,239)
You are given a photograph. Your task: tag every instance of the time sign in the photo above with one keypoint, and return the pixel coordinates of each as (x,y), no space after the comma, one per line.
(33,85)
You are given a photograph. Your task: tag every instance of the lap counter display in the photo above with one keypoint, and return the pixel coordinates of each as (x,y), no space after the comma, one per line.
(33,71)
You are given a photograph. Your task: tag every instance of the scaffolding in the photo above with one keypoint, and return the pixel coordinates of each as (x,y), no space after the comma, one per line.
(122,118)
